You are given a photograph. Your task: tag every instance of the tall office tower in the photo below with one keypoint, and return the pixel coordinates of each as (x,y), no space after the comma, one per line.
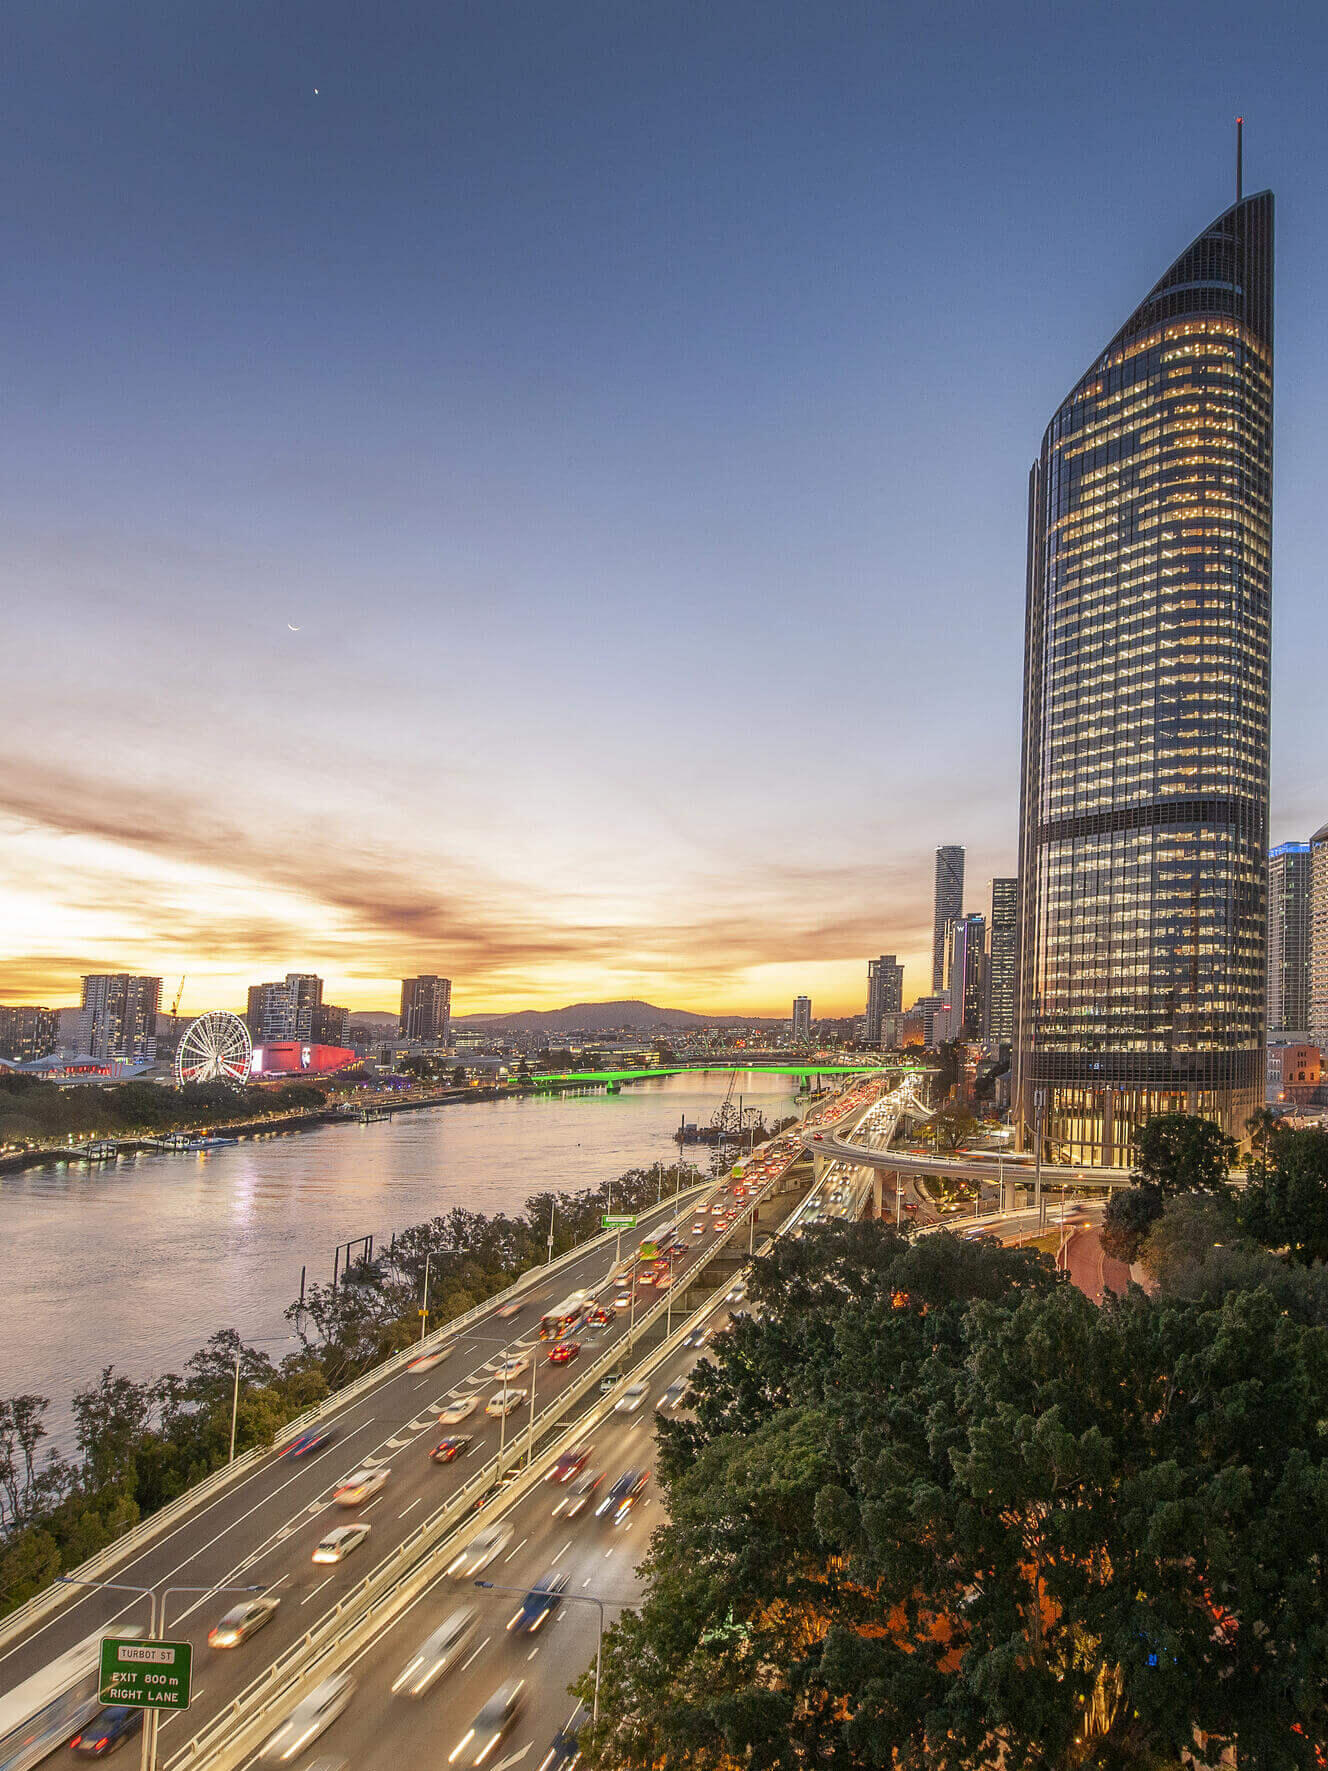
(1144,804)
(28,1033)
(802,1020)
(123,1010)
(885,994)
(947,908)
(1002,952)
(967,954)
(1318,1002)
(426,1009)
(1289,938)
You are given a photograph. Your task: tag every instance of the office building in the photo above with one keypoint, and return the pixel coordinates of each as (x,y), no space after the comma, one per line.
(122,1010)
(1144,797)
(933,1014)
(28,1033)
(968,953)
(947,908)
(1002,955)
(1289,939)
(426,1009)
(802,1020)
(1318,917)
(885,995)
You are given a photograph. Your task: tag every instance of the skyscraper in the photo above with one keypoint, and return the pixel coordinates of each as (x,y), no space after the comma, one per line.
(1002,949)
(426,1009)
(1289,938)
(123,1010)
(1144,805)
(947,908)
(885,994)
(967,964)
(802,1020)
(284,1009)
(1318,1002)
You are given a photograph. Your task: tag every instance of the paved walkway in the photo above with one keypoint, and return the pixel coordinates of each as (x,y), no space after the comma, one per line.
(1091,1268)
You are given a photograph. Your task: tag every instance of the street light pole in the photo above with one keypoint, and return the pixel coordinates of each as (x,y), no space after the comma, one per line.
(493,1586)
(552,1207)
(424,1312)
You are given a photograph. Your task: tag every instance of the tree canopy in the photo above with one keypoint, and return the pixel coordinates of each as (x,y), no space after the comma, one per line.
(935,1509)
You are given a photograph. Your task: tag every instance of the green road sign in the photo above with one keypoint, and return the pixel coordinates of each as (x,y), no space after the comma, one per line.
(145,1675)
(614,1223)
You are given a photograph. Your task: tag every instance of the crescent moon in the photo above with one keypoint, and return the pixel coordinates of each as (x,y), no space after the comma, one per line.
(293,629)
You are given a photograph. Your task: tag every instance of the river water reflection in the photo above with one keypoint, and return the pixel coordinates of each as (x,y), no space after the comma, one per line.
(138,1264)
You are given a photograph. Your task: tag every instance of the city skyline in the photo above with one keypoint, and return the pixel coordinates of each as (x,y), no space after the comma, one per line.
(350,428)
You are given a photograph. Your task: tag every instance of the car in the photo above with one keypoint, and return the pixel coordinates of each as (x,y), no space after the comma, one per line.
(623,1301)
(579,1495)
(458,1409)
(308,1719)
(480,1551)
(672,1397)
(507,1311)
(242,1621)
(358,1487)
(436,1652)
(489,1726)
(108,1731)
(610,1381)
(698,1229)
(339,1542)
(513,1367)
(564,1352)
(631,1399)
(503,1401)
(427,1361)
(697,1338)
(565,1753)
(499,1485)
(623,1496)
(455,1445)
(601,1316)
(716,1211)
(305,1444)
(539,1604)
(569,1464)
(736,1295)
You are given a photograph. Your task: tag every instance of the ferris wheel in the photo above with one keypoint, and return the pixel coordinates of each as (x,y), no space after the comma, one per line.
(215,1048)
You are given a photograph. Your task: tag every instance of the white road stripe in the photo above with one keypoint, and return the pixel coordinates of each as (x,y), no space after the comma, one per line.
(318,1589)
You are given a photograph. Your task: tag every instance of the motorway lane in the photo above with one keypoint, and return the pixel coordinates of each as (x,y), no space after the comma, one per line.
(382,1731)
(264,1525)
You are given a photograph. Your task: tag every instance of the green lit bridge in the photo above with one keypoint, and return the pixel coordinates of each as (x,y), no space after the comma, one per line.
(612,1080)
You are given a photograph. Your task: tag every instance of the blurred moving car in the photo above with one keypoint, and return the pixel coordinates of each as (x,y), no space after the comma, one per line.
(480,1551)
(306,1443)
(436,1652)
(565,1753)
(447,1450)
(241,1622)
(358,1487)
(338,1544)
(489,1726)
(108,1731)
(458,1409)
(539,1604)
(308,1719)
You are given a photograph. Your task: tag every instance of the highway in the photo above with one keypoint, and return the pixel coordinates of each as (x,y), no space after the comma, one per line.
(262,1530)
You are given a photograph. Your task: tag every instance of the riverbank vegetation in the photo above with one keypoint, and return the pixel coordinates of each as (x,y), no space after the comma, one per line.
(142,1443)
(35,1112)
(933,1507)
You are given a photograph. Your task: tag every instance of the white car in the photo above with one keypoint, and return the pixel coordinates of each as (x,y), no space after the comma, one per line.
(437,1652)
(309,1718)
(427,1361)
(513,1367)
(502,1402)
(631,1399)
(339,1543)
(480,1551)
(458,1409)
(736,1296)
(360,1486)
(672,1397)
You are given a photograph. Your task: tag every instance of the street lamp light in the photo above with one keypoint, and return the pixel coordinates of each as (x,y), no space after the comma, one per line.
(583,1598)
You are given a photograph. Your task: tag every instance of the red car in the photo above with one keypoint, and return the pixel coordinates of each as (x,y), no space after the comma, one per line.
(564,1352)
(446,1450)
(569,1464)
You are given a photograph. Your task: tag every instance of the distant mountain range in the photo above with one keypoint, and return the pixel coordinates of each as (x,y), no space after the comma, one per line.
(604,1017)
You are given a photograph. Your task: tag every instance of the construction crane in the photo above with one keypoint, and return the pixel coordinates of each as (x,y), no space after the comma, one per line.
(175,1006)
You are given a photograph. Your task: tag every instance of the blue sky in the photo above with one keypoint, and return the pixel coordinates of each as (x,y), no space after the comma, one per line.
(631,408)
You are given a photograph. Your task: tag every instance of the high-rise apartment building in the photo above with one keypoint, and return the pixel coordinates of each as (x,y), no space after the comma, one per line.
(123,1017)
(28,1033)
(947,908)
(1002,954)
(802,1020)
(329,1025)
(1289,939)
(968,953)
(285,1009)
(426,1009)
(1318,1000)
(1144,805)
(885,994)
(306,998)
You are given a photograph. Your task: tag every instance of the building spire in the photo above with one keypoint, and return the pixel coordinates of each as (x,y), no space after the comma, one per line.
(1240,158)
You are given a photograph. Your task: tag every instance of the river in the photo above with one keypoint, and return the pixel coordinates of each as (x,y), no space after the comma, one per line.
(135,1265)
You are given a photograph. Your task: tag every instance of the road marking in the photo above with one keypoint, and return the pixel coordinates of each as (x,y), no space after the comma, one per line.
(318,1589)
(534,1651)
(483,1645)
(398,1442)
(607,1554)
(372,1504)
(418,1498)
(524,1540)
(562,1552)
(586,1582)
